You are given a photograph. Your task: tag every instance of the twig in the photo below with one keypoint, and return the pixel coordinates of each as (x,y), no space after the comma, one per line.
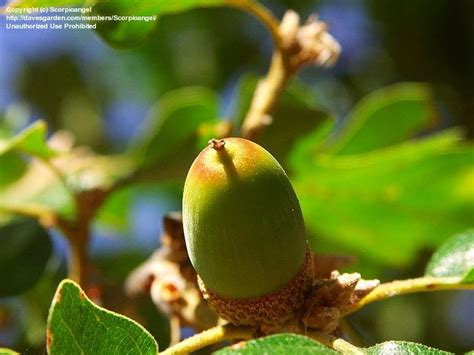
(77,234)
(78,258)
(269,89)
(175,330)
(331,341)
(266,96)
(231,332)
(402,287)
(295,47)
(346,348)
(211,336)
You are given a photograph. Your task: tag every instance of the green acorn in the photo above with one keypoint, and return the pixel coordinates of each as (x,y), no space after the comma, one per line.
(245,233)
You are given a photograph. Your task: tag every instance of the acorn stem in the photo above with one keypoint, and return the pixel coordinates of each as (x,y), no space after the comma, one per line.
(217,144)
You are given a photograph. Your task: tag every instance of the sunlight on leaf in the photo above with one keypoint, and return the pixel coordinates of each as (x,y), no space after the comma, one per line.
(386,205)
(385,117)
(402,347)
(32,141)
(12,167)
(454,258)
(38,190)
(115,215)
(280,344)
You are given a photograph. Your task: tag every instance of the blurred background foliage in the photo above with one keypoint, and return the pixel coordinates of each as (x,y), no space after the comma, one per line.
(376,147)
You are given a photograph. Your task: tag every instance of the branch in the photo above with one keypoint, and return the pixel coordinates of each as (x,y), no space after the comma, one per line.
(402,287)
(78,233)
(295,47)
(211,336)
(78,237)
(266,95)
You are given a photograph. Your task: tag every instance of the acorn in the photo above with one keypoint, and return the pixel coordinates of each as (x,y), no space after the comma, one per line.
(245,234)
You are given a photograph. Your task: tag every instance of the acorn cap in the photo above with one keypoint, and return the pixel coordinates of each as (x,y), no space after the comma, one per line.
(242,220)
(267,312)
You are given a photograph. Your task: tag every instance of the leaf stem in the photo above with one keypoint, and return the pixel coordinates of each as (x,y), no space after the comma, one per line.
(402,287)
(211,336)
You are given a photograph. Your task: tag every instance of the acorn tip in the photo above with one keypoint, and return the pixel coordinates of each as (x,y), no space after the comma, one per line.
(217,144)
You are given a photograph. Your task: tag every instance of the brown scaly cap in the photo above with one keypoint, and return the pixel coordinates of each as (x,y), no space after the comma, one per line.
(266,312)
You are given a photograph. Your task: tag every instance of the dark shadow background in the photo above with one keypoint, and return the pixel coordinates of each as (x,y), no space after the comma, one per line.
(76,82)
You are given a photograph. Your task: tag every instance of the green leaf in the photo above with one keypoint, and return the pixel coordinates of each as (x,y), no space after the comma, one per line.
(178,128)
(388,204)
(40,193)
(16,182)
(385,117)
(78,326)
(294,116)
(123,34)
(36,194)
(36,302)
(5,351)
(403,347)
(280,344)
(12,167)
(31,141)
(126,33)
(469,277)
(24,254)
(283,134)
(114,215)
(89,172)
(454,258)
(36,189)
